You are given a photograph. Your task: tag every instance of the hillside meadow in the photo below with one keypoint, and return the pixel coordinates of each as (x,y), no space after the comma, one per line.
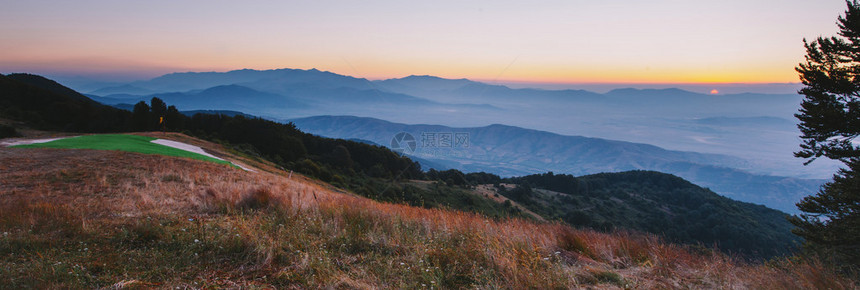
(87,218)
(122,142)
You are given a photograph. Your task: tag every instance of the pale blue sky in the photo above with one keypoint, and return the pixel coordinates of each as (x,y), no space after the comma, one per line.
(664,41)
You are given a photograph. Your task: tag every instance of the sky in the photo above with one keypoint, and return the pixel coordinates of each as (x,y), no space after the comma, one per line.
(532,42)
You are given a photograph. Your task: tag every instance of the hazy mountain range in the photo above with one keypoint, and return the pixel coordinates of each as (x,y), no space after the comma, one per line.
(758,127)
(754,135)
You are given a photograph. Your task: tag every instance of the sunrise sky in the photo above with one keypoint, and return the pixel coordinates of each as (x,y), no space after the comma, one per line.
(661,41)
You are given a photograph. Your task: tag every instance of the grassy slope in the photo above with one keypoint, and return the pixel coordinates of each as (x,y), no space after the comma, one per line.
(85,219)
(122,142)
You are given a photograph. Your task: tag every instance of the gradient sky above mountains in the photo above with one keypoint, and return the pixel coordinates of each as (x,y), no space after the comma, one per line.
(663,41)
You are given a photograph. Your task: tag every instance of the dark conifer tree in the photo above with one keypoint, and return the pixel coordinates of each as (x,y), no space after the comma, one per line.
(829,124)
(140,117)
(159,111)
(174,119)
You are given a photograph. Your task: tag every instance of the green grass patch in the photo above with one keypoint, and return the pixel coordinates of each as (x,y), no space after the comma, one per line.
(121,142)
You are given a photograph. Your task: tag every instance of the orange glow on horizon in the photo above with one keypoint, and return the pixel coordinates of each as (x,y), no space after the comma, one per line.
(560,42)
(378,69)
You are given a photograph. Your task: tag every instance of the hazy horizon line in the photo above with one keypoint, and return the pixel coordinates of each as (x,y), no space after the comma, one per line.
(122,77)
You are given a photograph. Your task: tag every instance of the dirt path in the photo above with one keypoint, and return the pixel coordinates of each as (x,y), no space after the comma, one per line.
(16,142)
(193,149)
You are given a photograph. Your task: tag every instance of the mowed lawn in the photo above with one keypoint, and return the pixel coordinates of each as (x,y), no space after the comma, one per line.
(121,142)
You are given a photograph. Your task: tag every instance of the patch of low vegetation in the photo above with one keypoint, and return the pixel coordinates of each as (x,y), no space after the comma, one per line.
(121,223)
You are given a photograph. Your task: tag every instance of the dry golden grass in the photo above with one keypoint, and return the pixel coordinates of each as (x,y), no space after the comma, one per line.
(152,221)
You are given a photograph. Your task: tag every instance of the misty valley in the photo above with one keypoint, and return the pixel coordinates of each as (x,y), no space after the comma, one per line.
(739,145)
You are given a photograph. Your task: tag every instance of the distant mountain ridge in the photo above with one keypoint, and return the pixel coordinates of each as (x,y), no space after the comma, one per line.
(513,151)
(123,89)
(274,93)
(511,139)
(277,80)
(436,96)
(185,81)
(321,86)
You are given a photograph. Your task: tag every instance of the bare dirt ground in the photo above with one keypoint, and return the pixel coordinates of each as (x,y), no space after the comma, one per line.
(193,149)
(21,141)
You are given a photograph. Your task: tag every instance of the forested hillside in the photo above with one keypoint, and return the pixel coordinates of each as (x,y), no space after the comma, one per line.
(657,203)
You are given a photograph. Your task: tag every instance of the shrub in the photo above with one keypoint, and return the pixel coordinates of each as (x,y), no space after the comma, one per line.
(7,131)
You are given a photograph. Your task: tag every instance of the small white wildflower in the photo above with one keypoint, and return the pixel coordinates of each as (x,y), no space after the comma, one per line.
(183,230)
(557,253)
(432,282)
(423,285)
(546,259)
(401,264)
(196,240)
(190,220)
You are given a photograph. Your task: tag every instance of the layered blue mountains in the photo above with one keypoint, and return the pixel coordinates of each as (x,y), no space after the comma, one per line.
(738,145)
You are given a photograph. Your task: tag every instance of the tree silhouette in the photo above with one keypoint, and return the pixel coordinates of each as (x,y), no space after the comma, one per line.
(173,119)
(140,117)
(829,124)
(159,112)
